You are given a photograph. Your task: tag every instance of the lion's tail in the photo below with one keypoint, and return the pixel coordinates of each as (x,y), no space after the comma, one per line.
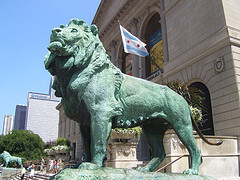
(202,136)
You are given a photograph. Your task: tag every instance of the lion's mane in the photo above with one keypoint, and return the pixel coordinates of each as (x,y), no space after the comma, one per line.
(88,58)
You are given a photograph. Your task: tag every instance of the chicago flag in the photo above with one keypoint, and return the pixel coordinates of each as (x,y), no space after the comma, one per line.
(132,44)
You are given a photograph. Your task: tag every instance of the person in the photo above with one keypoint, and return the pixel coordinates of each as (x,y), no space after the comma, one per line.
(42,164)
(23,173)
(32,171)
(50,165)
(83,159)
(1,169)
(55,166)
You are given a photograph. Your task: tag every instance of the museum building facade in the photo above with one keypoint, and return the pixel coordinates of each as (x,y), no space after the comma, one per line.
(196,42)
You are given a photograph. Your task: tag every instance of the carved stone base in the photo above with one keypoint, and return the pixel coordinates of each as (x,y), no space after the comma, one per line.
(122,155)
(217,161)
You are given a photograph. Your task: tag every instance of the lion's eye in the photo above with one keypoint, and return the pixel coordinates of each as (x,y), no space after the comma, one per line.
(74,30)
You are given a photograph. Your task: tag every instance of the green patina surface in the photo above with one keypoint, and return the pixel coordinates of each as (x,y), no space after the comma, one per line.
(8,158)
(99,97)
(123,174)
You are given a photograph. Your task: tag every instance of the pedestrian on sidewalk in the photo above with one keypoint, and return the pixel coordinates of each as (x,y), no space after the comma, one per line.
(23,172)
(42,164)
(32,173)
(55,166)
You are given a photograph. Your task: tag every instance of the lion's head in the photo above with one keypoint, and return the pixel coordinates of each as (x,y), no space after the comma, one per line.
(70,45)
(75,50)
(5,154)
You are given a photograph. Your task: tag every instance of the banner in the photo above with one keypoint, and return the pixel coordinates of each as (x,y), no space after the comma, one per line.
(156,51)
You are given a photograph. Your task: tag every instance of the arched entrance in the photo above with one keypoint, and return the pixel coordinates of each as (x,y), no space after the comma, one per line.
(206,126)
(153,37)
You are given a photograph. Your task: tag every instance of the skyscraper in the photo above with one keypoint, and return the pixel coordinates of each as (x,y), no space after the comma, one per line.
(20,117)
(8,124)
(42,116)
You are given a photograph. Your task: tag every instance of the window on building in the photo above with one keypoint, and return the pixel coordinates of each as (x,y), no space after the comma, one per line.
(74,150)
(206,125)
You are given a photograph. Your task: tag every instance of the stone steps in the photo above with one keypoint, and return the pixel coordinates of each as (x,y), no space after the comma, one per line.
(37,176)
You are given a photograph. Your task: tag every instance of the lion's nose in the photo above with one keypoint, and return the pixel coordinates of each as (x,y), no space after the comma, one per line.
(56,30)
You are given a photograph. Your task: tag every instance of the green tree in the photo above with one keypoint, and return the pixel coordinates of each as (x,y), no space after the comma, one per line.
(192,95)
(63,142)
(23,143)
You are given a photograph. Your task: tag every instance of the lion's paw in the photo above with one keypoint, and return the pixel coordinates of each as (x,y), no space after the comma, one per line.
(143,169)
(89,166)
(190,171)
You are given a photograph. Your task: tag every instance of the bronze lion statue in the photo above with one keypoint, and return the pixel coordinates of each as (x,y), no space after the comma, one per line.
(100,97)
(8,158)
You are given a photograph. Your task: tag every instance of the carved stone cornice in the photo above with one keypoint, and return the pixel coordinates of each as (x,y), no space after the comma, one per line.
(155,4)
(114,20)
(100,11)
(134,22)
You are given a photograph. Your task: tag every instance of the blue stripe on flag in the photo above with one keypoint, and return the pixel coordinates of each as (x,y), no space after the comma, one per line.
(137,51)
(130,36)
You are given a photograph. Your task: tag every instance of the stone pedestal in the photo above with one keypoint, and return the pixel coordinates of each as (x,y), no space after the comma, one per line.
(8,172)
(108,173)
(122,150)
(62,157)
(218,161)
(122,155)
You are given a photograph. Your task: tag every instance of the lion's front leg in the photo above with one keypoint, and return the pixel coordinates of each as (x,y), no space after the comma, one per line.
(6,163)
(100,131)
(86,137)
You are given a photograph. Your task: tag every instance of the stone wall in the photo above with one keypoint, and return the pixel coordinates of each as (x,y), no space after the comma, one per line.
(197,37)
(217,161)
(199,34)
(69,129)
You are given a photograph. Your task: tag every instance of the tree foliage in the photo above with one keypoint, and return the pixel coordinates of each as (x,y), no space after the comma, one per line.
(23,143)
(63,142)
(192,95)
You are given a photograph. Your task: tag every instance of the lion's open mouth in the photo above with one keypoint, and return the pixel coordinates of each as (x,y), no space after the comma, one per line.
(55,39)
(56,45)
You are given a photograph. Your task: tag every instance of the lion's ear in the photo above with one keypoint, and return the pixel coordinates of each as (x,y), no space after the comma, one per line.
(94,29)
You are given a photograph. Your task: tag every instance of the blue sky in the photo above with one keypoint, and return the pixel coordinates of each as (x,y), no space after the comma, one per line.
(25,30)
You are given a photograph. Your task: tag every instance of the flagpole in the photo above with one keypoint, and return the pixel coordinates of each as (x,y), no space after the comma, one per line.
(155,63)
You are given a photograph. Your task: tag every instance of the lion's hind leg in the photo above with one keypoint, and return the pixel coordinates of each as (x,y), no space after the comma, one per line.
(155,142)
(185,134)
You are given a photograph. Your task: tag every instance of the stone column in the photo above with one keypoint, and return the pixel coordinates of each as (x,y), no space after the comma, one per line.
(142,69)
(135,58)
(112,49)
(164,31)
(119,63)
